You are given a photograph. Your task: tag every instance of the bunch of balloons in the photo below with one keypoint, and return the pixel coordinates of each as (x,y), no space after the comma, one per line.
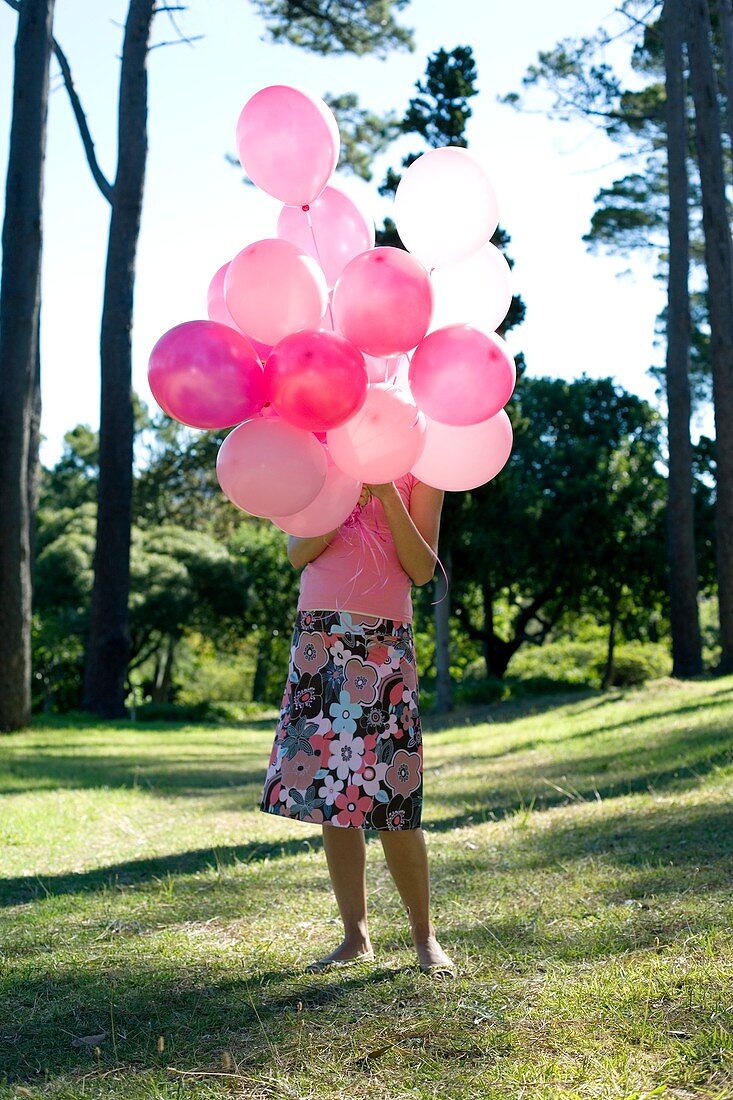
(335,362)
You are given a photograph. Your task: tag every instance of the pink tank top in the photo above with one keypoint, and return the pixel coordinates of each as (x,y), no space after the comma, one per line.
(361,571)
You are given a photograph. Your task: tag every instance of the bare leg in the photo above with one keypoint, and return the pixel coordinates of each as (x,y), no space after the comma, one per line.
(346,856)
(407,859)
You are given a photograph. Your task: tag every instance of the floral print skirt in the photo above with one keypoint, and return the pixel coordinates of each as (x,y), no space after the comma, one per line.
(348,745)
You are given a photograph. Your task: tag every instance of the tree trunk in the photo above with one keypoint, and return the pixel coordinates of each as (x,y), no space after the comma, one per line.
(725,13)
(34,464)
(443,683)
(20,303)
(609,670)
(108,646)
(684,613)
(719,263)
(164,673)
(497,653)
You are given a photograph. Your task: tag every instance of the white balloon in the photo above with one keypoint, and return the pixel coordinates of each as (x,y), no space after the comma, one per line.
(476,291)
(445,207)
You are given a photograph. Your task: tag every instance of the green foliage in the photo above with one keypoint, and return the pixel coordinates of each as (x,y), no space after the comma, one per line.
(62,588)
(177,483)
(72,481)
(364,134)
(440,111)
(567,662)
(576,515)
(634,664)
(213,671)
(575,662)
(346,26)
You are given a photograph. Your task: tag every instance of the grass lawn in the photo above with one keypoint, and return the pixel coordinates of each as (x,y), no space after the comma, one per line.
(154,923)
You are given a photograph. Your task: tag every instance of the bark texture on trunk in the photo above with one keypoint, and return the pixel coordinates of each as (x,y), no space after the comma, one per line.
(719,263)
(108,647)
(725,14)
(682,556)
(20,301)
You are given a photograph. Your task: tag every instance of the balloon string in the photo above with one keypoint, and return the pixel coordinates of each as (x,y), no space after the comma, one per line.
(307,212)
(447,582)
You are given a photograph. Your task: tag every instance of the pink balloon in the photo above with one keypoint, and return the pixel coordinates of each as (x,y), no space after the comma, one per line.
(335,502)
(268,467)
(217,310)
(461,458)
(288,142)
(272,288)
(316,380)
(383,302)
(216,307)
(445,207)
(206,375)
(333,231)
(383,440)
(459,375)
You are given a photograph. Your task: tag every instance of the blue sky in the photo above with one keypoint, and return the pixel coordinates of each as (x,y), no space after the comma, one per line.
(197,214)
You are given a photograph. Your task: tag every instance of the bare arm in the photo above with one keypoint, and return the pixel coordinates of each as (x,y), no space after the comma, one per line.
(415,533)
(303,550)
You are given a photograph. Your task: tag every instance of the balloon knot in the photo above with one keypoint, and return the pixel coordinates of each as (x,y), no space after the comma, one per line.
(305,208)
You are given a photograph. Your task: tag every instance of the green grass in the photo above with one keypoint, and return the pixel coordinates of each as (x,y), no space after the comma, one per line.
(154,922)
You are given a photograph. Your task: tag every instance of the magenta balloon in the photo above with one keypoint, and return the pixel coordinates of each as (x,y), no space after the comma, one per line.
(383,302)
(335,502)
(206,375)
(288,143)
(268,467)
(217,310)
(272,288)
(461,458)
(459,375)
(316,380)
(333,231)
(383,440)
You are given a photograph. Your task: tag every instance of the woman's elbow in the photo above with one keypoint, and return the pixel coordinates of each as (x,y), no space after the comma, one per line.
(424,578)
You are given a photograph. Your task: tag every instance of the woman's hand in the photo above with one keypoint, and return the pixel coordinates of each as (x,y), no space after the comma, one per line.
(415,532)
(382,492)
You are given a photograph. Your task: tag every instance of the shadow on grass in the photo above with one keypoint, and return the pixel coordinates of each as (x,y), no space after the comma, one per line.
(677,760)
(153,775)
(21,889)
(696,758)
(41,767)
(199,1015)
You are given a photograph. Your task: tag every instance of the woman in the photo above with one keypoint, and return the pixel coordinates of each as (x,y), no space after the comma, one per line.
(348,747)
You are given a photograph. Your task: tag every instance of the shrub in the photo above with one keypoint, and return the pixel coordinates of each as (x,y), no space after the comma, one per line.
(635,663)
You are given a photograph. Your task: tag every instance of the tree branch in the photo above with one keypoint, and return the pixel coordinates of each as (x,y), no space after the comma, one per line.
(176,42)
(86,138)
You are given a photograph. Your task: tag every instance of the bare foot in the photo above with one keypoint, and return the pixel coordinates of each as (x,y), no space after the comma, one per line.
(431,954)
(346,950)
